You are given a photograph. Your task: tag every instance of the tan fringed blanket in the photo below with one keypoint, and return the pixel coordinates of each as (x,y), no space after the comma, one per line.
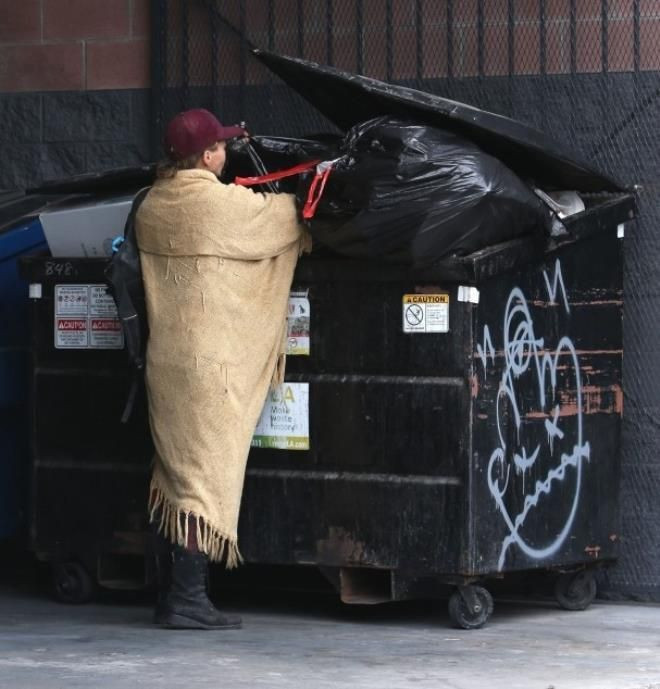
(217,262)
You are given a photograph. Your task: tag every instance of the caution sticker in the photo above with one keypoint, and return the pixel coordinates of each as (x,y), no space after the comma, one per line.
(71,333)
(86,318)
(298,321)
(105,333)
(284,421)
(425,313)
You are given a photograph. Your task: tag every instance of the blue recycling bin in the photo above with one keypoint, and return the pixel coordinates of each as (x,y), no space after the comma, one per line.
(23,238)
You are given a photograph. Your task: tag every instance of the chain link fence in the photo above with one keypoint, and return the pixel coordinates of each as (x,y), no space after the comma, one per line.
(586,72)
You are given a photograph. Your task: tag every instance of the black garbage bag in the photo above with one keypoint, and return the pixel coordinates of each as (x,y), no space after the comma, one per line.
(411,193)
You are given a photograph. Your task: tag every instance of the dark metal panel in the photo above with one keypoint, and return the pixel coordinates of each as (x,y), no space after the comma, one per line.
(394,428)
(356,328)
(84,513)
(527,151)
(547,412)
(329,523)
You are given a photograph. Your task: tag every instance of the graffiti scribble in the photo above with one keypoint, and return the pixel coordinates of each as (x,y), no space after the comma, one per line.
(486,351)
(525,351)
(558,281)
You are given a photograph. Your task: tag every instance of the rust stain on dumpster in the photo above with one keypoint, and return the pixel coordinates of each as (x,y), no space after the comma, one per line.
(596,399)
(474,386)
(340,547)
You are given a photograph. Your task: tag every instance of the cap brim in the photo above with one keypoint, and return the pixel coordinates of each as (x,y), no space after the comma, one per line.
(225,133)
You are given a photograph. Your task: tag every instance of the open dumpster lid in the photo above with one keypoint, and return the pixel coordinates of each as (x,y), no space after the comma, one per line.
(115,181)
(525,150)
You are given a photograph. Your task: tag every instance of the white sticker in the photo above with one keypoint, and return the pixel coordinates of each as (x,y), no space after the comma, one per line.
(101,302)
(425,313)
(468,294)
(298,323)
(71,300)
(70,333)
(86,318)
(284,421)
(105,333)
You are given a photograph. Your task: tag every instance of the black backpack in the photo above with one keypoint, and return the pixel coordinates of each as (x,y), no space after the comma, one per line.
(124,275)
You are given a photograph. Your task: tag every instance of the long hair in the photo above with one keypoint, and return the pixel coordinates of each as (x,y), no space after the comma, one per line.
(168,168)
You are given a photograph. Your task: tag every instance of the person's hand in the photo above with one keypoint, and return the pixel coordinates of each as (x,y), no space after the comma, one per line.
(243,126)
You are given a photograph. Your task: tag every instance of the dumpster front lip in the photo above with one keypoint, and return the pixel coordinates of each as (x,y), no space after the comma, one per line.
(527,151)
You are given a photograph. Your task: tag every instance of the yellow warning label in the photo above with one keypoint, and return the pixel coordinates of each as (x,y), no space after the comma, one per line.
(426,299)
(425,313)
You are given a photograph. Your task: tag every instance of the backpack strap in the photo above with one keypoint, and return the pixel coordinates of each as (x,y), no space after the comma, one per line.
(130,323)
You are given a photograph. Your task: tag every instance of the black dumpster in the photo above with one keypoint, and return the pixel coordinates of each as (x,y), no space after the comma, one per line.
(438,426)
(442,430)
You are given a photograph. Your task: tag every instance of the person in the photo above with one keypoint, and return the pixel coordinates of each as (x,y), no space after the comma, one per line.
(217,262)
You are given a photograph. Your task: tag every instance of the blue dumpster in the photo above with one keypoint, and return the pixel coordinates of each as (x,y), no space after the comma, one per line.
(22,238)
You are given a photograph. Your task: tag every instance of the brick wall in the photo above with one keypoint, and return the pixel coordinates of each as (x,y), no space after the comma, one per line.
(545,37)
(74,76)
(61,45)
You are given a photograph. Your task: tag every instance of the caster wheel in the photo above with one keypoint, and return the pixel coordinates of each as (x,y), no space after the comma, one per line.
(470,607)
(72,583)
(576,590)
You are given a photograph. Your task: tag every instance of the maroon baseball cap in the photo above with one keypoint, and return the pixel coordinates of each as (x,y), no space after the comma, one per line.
(193,131)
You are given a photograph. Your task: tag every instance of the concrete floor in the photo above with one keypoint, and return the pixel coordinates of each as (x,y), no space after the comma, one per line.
(314,642)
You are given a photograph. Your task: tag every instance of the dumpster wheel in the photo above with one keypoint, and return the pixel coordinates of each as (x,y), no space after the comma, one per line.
(470,607)
(575,590)
(72,583)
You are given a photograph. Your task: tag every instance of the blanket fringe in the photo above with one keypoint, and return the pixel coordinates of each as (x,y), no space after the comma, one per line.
(173,524)
(278,373)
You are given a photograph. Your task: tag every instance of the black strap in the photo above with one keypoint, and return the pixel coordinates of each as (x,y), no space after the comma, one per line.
(132,396)
(138,370)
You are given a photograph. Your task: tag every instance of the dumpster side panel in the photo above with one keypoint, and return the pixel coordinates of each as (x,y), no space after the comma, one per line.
(23,239)
(384,481)
(89,472)
(341,521)
(547,411)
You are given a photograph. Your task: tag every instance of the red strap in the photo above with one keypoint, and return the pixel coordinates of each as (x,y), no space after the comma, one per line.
(274,176)
(316,191)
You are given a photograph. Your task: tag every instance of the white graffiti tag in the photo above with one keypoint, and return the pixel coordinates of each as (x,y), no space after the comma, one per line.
(525,352)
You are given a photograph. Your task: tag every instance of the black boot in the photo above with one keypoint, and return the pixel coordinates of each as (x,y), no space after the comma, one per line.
(187,605)
(162,552)
(163,560)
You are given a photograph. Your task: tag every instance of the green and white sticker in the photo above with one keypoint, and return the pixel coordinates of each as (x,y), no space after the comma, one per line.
(284,421)
(298,321)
